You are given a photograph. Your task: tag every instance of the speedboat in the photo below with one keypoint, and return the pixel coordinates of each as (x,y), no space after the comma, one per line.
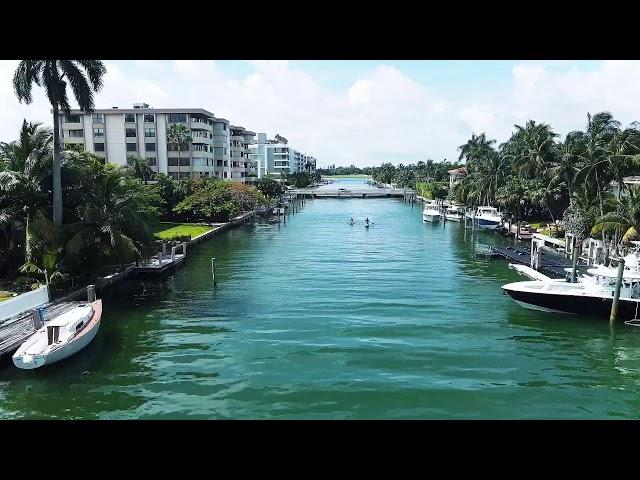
(591,295)
(453,214)
(60,338)
(430,213)
(488,218)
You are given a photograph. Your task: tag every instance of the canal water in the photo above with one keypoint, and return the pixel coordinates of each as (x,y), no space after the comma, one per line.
(317,319)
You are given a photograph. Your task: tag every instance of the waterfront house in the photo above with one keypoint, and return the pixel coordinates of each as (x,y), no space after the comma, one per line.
(456,175)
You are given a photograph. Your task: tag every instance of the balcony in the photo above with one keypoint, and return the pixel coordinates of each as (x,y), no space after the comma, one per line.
(201,125)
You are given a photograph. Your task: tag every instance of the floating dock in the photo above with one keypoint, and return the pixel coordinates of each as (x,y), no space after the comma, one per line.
(552,265)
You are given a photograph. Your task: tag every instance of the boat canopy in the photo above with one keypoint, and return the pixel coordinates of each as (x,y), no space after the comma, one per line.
(630,275)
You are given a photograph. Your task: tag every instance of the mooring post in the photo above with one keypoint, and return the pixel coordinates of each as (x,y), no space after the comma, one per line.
(91,293)
(575,263)
(616,295)
(37,318)
(213,270)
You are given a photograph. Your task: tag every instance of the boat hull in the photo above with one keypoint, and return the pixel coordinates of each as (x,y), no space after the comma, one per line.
(452,218)
(573,304)
(79,342)
(487,224)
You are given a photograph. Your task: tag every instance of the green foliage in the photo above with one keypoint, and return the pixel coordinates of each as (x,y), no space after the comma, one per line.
(176,231)
(431,190)
(301,179)
(269,186)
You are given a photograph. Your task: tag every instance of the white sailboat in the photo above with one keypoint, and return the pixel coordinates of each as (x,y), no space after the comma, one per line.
(61,337)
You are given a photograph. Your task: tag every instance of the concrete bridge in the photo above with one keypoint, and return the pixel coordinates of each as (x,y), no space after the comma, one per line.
(356,193)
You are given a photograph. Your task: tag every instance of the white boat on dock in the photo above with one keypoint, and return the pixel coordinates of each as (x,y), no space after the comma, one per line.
(60,338)
(430,213)
(488,217)
(453,213)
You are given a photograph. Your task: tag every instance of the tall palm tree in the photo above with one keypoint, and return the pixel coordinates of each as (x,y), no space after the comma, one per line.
(179,135)
(622,156)
(567,163)
(27,163)
(51,75)
(531,148)
(601,129)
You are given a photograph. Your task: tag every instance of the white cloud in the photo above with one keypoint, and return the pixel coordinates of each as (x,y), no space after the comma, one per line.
(383,116)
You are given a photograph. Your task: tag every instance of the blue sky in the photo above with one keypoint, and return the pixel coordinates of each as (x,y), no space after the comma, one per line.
(365,112)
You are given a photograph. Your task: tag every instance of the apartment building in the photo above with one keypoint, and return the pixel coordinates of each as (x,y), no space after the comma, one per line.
(142,131)
(274,158)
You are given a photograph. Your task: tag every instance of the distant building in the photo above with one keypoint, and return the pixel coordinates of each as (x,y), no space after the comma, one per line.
(628,181)
(456,175)
(274,158)
(218,149)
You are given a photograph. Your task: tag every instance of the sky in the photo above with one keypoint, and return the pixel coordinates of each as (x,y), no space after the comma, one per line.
(363,112)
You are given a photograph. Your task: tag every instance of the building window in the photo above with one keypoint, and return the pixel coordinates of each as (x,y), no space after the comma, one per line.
(73,119)
(129,118)
(98,147)
(98,118)
(149,117)
(131,147)
(98,132)
(177,117)
(149,147)
(151,161)
(184,162)
(150,132)
(226,164)
(218,163)
(225,174)
(76,133)
(130,132)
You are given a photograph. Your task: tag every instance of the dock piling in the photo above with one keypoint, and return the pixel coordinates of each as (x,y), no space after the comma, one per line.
(213,271)
(91,293)
(616,295)
(575,263)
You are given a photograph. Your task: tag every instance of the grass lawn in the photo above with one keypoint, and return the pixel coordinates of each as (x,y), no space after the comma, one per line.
(359,175)
(167,231)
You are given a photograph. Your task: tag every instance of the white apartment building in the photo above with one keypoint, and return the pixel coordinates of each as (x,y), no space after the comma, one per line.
(217,148)
(275,158)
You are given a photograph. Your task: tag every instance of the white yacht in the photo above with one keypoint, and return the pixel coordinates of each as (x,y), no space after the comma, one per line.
(453,214)
(487,217)
(430,213)
(591,295)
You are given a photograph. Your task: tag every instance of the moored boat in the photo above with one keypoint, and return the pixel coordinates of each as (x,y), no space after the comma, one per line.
(591,295)
(430,213)
(487,217)
(453,214)
(60,338)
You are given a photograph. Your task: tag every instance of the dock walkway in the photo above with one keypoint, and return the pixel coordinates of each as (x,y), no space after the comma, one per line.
(552,265)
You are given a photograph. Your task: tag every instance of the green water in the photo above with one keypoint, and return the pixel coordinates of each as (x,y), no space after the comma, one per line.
(318,319)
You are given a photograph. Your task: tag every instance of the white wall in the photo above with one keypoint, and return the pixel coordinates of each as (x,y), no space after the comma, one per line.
(88,133)
(114,133)
(161,147)
(21,303)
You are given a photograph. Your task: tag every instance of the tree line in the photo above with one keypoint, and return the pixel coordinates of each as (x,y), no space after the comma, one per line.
(535,173)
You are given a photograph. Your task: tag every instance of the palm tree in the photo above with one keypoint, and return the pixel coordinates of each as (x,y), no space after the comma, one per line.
(139,167)
(51,75)
(623,155)
(27,163)
(179,135)
(113,222)
(531,148)
(567,163)
(601,129)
